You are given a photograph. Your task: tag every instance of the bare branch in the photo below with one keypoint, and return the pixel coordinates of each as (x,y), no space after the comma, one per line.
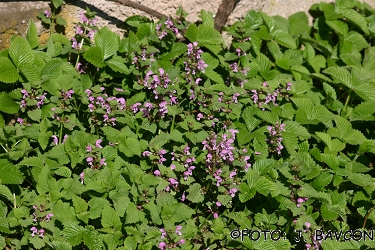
(225,9)
(141,7)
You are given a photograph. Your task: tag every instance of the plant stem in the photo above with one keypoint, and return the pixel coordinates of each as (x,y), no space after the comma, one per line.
(61,128)
(346,102)
(172,125)
(368,214)
(207,218)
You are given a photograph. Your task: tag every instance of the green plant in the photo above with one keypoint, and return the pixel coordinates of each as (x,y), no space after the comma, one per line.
(148,141)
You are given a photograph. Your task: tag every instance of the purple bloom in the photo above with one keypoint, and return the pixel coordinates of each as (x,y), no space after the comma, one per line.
(82,177)
(163,233)
(90,160)
(180,242)
(157,173)
(216,215)
(48,217)
(97,143)
(232,192)
(146,153)
(89,149)
(177,231)
(47,13)
(25,94)
(34,230)
(218,203)
(162,245)
(41,233)
(102,162)
(20,121)
(55,139)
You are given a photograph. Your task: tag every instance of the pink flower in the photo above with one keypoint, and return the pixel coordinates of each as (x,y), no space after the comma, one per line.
(47,13)
(157,173)
(48,217)
(82,176)
(97,143)
(34,230)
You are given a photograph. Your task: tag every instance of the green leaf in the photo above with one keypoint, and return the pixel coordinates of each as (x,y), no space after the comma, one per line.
(52,69)
(2,121)
(364,111)
(195,193)
(64,172)
(341,75)
(298,23)
(207,18)
(8,72)
(9,173)
(74,233)
(357,40)
(20,52)
(356,18)
(192,33)
(94,55)
(267,116)
(107,41)
(61,21)
(253,19)
(339,26)
(250,121)
(57,3)
(131,147)
(110,218)
(209,35)
(32,35)
(118,64)
(176,50)
(214,76)
(5,192)
(7,105)
(35,114)
(284,39)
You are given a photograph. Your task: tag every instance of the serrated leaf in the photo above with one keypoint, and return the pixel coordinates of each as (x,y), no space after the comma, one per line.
(32,35)
(195,193)
(176,50)
(284,39)
(118,64)
(64,172)
(339,26)
(35,114)
(7,105)
(214,76)
(207,18)
(5,192)
(298,23)
(107,41)
(356,18)
(9,173)
(8,72)
(73,233)
(253,19)
(341,75)
(94,55)
(20,52)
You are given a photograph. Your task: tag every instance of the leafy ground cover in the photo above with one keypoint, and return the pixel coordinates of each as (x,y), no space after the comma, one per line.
(169,139)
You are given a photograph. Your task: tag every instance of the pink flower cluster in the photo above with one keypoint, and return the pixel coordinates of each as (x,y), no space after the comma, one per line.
(164,235)
(93,159)
(270,98)
(56,139)
(46,218)
(169,26)
(220,150)
(139,59)
(194,64)
(109,104)
(32,95)
(275,137)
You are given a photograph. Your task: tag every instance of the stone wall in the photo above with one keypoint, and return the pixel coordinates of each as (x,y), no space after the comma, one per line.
(15,15)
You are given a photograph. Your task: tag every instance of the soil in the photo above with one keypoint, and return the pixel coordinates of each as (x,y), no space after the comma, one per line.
(14,15)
